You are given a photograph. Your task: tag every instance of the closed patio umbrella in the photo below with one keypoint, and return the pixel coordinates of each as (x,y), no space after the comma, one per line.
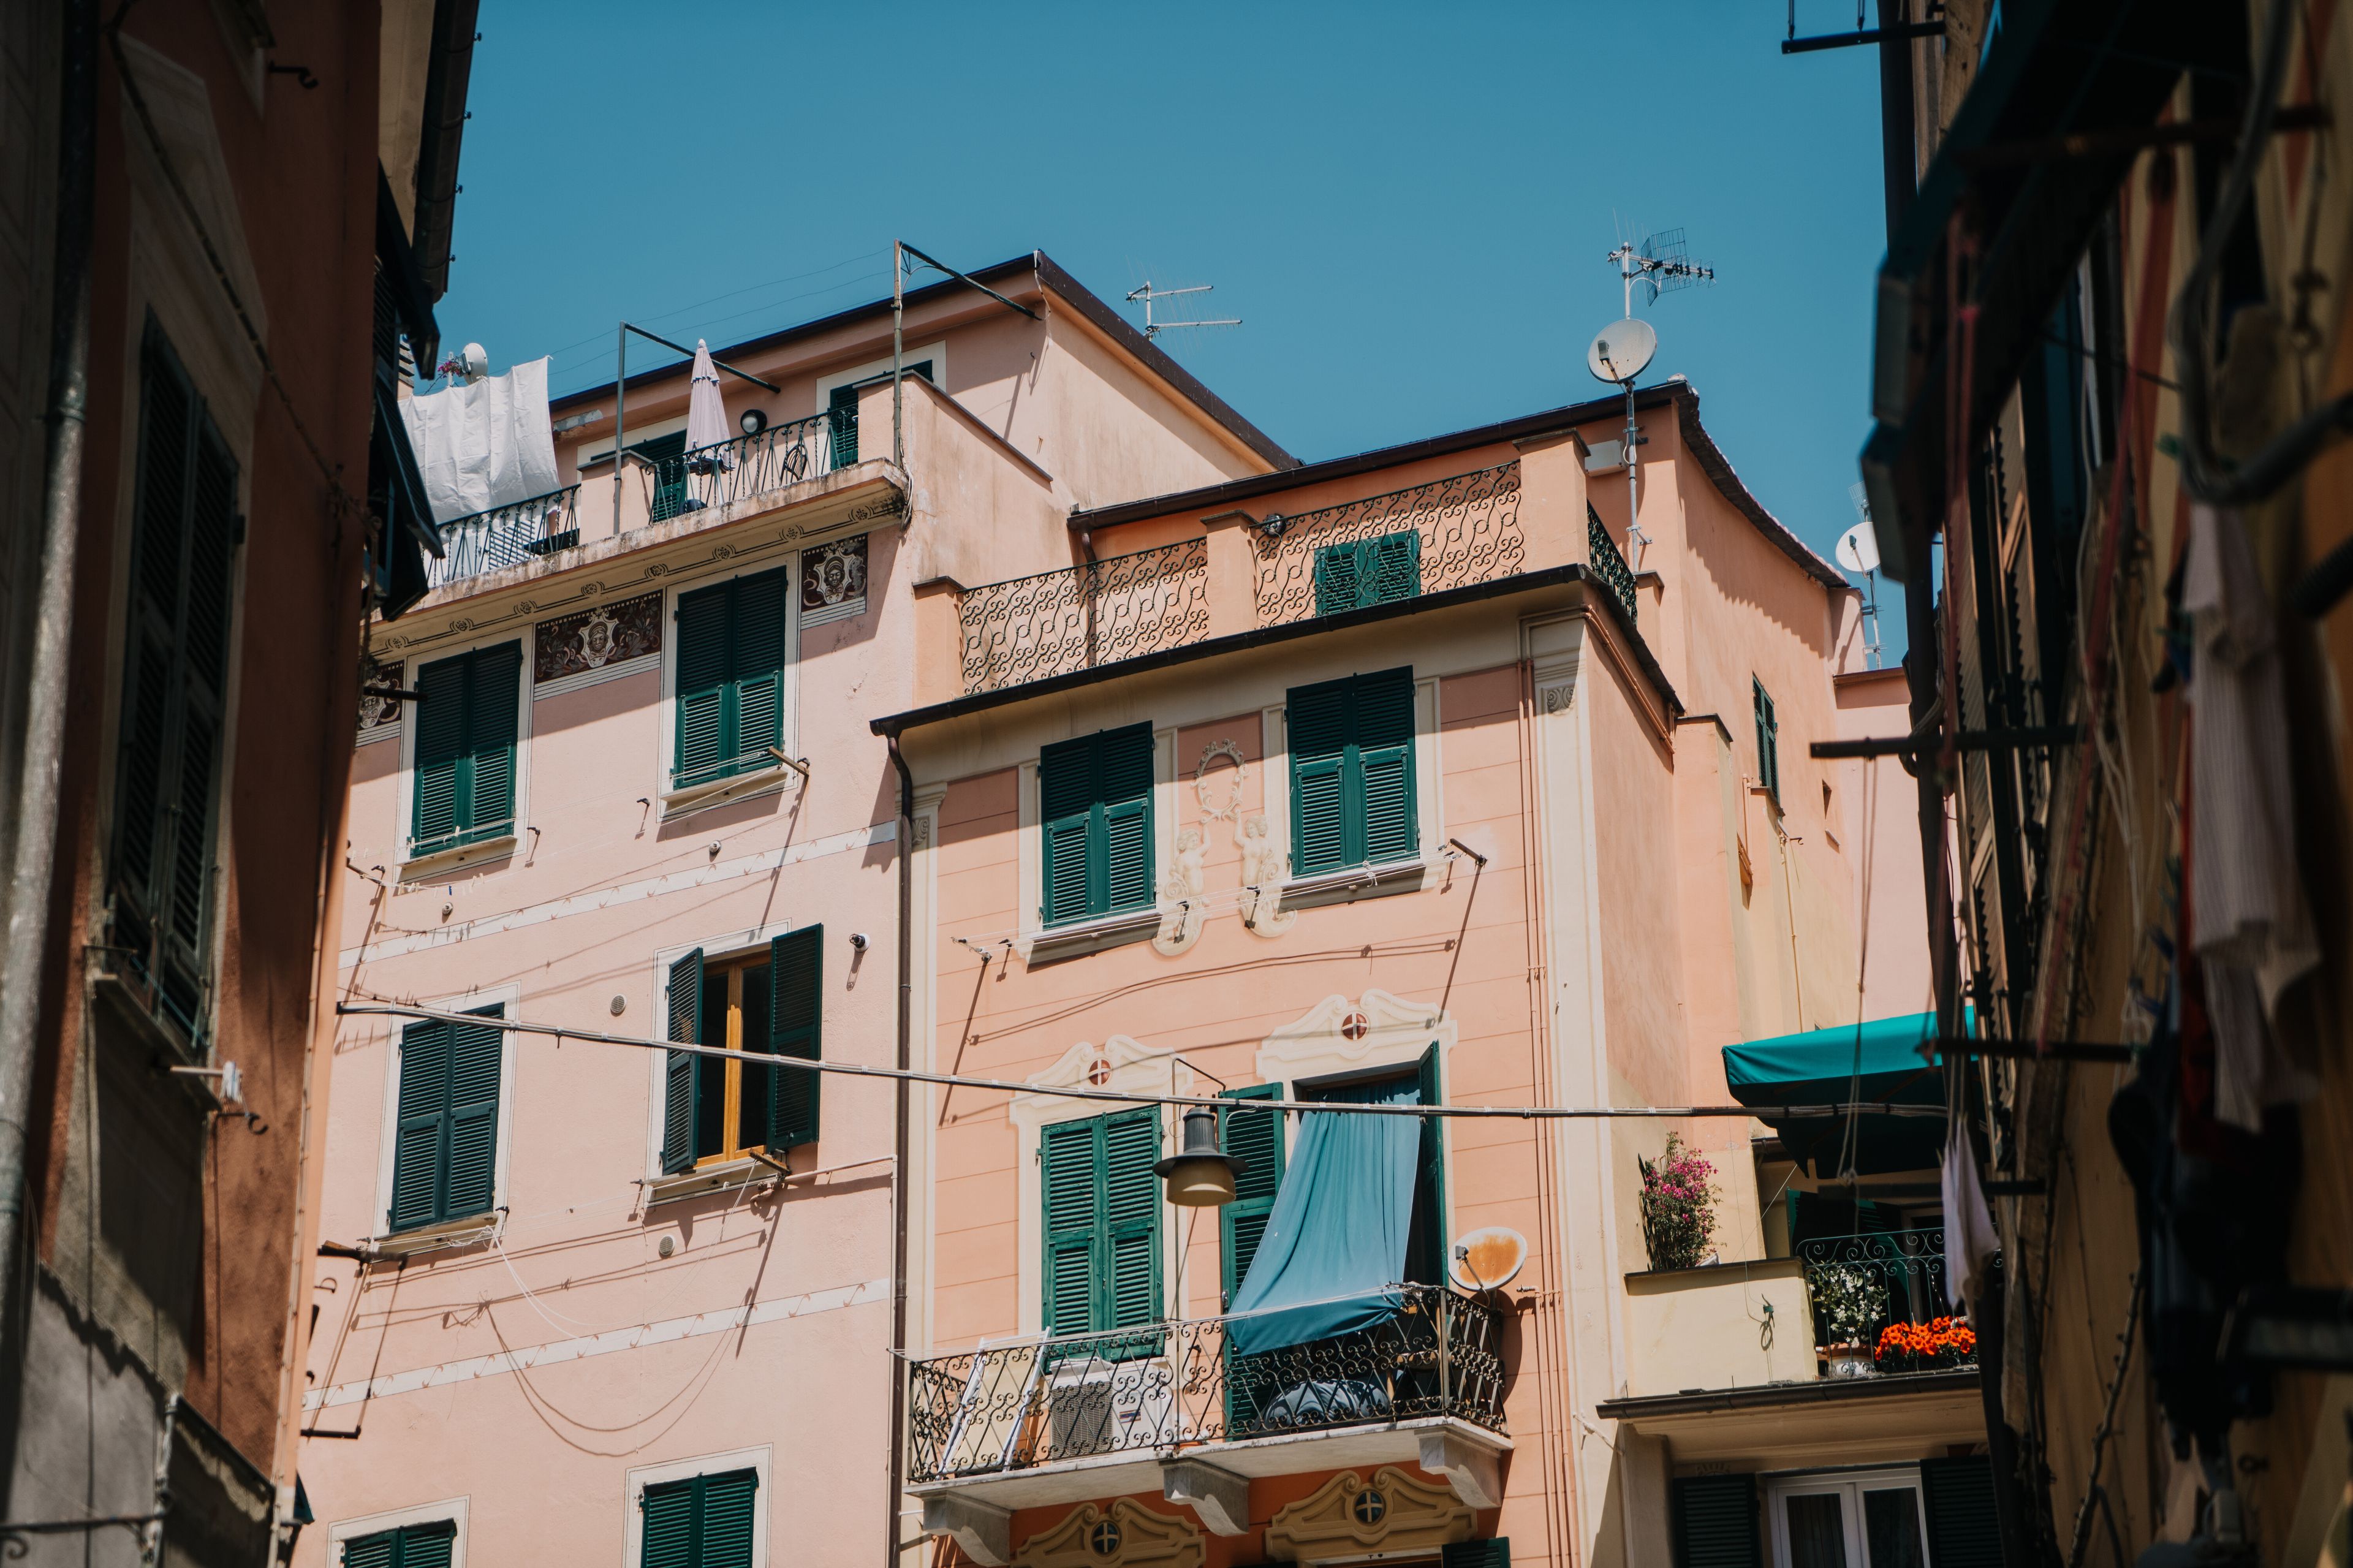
(706,419)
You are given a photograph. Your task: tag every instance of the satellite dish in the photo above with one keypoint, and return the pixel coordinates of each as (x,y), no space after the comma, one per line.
(1489,1259)
(473,363)
(1622,350)
(1858,548)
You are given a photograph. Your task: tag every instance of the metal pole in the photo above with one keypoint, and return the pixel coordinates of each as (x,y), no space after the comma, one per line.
(1634,540)
(620,413)
(898,346)
(895,1534)
(34,852)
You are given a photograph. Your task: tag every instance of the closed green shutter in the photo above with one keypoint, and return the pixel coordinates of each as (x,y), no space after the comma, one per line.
(727,1515)
(667,454)
(1368,571)
(175,665)
(1426,1233)
(1716,1521)
(842,404)
(465,733)
(1769,743)
(1495,1553)
(703,1522)
(410,1546)
(1102,1221)
(796,1028)
(1352,776)
(377,1551)
(730,695)
(669,1534)
(678,1072)
(1964,1531)
(445,1139)
(1255,1138)
(1095,796)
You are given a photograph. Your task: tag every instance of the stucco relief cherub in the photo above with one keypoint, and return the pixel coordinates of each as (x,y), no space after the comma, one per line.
(1180,895)
(1262,910)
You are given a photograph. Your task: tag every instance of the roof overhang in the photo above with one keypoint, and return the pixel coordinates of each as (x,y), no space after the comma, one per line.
(1796,1426)
(2023,177)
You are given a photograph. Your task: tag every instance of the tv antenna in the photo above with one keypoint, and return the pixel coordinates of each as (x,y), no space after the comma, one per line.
(1147,293)
(1623,350)
(1858,552)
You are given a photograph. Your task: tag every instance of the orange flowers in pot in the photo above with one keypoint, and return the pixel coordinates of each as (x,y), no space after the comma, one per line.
(1940,1342)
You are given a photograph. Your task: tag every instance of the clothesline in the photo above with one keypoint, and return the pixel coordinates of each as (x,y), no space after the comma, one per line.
(1125,1096)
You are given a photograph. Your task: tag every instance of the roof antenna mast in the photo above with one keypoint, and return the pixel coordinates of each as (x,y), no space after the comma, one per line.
(1623,349)
(1147,293)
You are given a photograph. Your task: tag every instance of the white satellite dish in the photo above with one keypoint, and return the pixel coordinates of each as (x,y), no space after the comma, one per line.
(1489,1259)
(1858,548)
(1622,350)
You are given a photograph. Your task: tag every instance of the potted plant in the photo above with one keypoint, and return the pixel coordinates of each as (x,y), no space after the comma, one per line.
(1850,1297)
(1925,1347)
(1678,1207)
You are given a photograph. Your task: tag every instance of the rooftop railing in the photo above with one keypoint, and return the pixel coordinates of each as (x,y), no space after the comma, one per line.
(1030,628)
(1608,564)
(731,471)
(506,536)
(1448,534)
(1040,1402)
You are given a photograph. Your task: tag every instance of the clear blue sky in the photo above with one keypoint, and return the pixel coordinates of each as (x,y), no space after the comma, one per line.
(1408,206)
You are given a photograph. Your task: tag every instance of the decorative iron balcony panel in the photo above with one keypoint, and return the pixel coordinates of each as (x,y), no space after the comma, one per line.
(1040,1402)
(1469,528)
(1608,565)
(1900,1272)
(506,536)
(1029,628)
(748,466)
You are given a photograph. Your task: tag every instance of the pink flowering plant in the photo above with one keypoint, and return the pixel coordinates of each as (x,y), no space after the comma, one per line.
(1678,1205)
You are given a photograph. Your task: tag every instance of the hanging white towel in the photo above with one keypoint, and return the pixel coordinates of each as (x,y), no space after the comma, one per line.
(485,445)
(1970,1238)
(2249,920)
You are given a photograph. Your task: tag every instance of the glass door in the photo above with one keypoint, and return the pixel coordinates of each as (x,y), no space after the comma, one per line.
(1849,1519)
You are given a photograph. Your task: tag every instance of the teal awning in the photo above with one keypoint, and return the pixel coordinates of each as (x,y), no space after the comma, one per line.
(1818,1067)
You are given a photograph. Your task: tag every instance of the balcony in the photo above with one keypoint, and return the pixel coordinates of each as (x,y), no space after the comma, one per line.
(663,489)
(1044,1421)
(1449,534)
(1889,1278)
(1030,628)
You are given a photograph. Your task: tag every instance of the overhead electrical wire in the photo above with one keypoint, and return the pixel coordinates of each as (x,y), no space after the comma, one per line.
(1125,1097)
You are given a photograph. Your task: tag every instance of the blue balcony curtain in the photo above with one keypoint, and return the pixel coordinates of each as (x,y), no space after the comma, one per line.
(1333,1253)
(1817,1068)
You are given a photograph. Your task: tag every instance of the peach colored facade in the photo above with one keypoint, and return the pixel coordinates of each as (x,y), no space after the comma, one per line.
(1602,893)
(522,1371)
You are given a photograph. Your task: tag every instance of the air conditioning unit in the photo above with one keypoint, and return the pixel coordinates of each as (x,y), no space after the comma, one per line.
(1102,1407)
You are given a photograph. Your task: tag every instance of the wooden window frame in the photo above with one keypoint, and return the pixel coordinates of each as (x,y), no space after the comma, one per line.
(732,968)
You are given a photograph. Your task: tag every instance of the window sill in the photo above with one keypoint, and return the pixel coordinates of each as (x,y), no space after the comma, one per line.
(703,1180)
(463,1231)
(1355,882)
(686,801)
(1079,938)
(422,868)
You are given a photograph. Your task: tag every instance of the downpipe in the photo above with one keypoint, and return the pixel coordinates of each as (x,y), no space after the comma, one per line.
(893,1542)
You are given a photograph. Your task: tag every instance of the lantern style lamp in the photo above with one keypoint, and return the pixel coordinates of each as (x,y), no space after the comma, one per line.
(1200,1175)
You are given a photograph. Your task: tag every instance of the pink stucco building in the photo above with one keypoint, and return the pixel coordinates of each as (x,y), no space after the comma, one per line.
(1034,719)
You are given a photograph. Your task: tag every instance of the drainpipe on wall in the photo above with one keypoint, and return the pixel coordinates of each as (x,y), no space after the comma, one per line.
(892,1538)
(36,787)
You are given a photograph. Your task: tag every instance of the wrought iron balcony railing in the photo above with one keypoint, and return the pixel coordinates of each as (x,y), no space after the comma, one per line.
(1028,628)
(1608,564)
(1014,1408)
(779,456)
(506,536)
(1462,530)
(1893,1276)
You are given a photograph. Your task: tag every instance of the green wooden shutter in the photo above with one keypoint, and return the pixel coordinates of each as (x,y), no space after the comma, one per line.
(440,745)
(678,1074)
(470,1183)
(1066,1160)
(1383,764)
(1254,1137)
(703,679)
(1426,1240)
(758,668)
(1337,579)
(1495,1553)
(1125,775)
(381,1550)
(727,1515)
(1715,1521)
(1317,724)
(1957,1498)
(667,454)
(1769,742)
(425,1545)
(842,404)
(1131,1284)
(796,1028)
(668,1539)
(494,700)
(424,1095)
(1067,794)
(466,735)
(1368,571)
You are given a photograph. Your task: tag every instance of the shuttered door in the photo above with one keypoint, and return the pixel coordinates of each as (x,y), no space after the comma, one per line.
(677,1073)
(1102,1221)
(445,1142)
(732,646)
(176,667)
(466,730)
(1716,1521)
(796,1028)
(1095,796)
(842,404)
(1957,1497)
(1255,1138)
(1352,783)
(1495,1553)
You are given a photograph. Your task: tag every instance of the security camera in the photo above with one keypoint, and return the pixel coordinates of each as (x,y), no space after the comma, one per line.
(858,940)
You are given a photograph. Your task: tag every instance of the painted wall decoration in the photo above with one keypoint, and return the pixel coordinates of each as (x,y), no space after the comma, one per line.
(833,580)
(379,716)
(1351,1515)
(574,645)
(1124,1535)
